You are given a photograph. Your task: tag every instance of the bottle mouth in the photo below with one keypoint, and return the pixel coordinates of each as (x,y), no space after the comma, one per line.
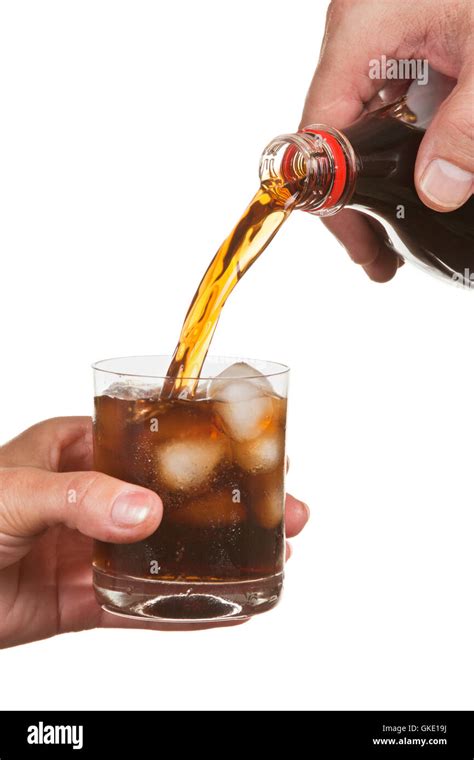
(307,170)
(292,167)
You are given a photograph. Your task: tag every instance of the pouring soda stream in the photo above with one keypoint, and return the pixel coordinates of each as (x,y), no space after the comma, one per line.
(213,445)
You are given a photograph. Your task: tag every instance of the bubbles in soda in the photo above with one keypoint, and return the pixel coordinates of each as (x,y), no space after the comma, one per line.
(217,461)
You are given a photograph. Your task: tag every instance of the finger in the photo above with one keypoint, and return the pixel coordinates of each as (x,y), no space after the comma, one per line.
(78,455)
(288,551)
(44,444)
(296,515)
(355,34)
(366,242)
(444,171)
(97,505)
(337,91)
(384,267)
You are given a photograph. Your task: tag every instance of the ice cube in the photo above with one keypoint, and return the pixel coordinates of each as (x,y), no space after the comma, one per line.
(243,398)
(214,510)
(131,391)
(186,464)
(261,454)
(240,371)
(268,509)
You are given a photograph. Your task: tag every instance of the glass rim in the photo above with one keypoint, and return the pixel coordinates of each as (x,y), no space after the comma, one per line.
(278,368)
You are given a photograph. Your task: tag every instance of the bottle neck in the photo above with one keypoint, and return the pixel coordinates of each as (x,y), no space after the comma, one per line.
(312,170)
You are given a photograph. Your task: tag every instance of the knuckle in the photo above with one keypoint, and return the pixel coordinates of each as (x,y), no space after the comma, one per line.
(341,5)
(3,490)
(460,138)
(344,6)
(336,9)
(9,479)
(463,125)
(81,488)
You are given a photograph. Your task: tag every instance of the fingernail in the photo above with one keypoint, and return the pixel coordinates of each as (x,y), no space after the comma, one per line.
(446,184)
(130,508)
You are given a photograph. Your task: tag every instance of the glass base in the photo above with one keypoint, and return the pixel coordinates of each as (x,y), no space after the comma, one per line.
(186,601)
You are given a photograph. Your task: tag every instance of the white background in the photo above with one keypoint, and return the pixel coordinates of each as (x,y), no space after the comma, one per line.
(129,144)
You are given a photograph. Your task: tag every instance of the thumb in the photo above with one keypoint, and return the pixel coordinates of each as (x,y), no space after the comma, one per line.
(97,505)
(444,172)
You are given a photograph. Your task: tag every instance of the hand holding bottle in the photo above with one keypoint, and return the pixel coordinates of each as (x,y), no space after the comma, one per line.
(358,31)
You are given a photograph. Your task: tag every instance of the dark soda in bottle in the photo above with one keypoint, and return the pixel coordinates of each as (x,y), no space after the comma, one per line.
(369,166)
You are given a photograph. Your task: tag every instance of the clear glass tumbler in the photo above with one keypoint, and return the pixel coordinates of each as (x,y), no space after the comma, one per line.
(216,457)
